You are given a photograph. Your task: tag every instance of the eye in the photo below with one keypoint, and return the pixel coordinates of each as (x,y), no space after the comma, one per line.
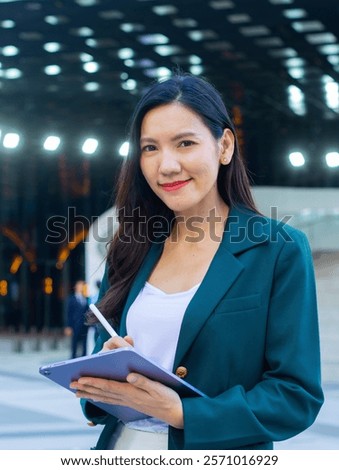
(186,143)
(149,148)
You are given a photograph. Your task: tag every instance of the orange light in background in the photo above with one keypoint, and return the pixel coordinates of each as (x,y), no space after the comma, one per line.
(33,268)
(16,263)
(65,251)
(48,285)
(3,288)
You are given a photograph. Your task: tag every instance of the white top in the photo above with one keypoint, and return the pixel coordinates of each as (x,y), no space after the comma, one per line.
(154,321)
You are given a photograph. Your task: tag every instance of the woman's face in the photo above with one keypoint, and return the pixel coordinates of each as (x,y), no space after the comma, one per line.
(180,158)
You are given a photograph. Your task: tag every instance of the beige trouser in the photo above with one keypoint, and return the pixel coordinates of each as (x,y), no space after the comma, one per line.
(125,438)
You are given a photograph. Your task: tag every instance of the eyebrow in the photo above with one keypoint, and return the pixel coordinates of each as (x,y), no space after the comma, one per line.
(173,139)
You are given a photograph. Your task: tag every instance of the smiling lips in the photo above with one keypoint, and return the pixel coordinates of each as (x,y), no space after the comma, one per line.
(175,185)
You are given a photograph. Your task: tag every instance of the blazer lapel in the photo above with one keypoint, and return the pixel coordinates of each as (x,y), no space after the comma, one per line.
(222,273)
(244,230)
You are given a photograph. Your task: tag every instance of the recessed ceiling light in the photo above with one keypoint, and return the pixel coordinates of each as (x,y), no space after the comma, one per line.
(90,145)
(294,62)
(90,42)
(296,159)
(56,19)
(331,93)
(52,143)
(239,18)
(259,30)
(12,73)
(101,42)
(182,59)
(185,23)
(307,26)
(124,149)
(111,14)
(281,2)
(11,140)
(129,85)
(296,100)
(296,72)
(295,93)
(167,50)
(52,70)
(140,63)
(202,34)
(52,47)
(326,79)
(221,4)
(163,10)
(329,49)
(10,51)
(153,39)
(33,6)
(294,13)
(321,38)
(87,3)
(332,159)
(91,86)
(7,24)
(159,72)
(126,53)
(84,31)
(284,52)
(194,59)
(84,57)
(91,67)
(132,27)
(333,59)
(129,62)
(196,69)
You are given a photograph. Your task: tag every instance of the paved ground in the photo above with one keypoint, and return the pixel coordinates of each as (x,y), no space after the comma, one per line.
(37,414)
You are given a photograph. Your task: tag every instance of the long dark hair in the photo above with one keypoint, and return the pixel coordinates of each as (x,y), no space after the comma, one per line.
(139,208)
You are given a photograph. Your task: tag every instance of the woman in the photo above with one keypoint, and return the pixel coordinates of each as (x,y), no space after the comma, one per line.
(204,285)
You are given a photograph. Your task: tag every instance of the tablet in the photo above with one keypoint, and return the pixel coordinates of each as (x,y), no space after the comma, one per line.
(116,364)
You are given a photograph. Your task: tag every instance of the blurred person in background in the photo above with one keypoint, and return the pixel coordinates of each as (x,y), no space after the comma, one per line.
(77,306)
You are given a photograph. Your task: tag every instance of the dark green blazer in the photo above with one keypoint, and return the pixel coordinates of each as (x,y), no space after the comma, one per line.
(249,340)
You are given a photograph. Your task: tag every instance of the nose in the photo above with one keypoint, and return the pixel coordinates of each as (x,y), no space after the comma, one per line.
(169,163)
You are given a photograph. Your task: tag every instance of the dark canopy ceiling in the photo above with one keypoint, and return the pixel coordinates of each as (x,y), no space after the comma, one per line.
(81,64)
(256,47)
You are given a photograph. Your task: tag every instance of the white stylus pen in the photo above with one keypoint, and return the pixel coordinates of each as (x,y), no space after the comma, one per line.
(103,320)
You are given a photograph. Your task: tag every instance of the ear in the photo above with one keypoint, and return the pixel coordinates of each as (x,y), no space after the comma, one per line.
(226,145)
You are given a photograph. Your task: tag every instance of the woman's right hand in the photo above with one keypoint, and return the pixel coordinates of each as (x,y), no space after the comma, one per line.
(117,342)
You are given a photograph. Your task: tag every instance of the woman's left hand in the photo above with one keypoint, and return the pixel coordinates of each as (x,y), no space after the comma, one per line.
(144,395)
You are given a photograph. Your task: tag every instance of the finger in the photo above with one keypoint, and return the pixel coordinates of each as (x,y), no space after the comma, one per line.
(129,340)
(115,343)
(116,400)
(143,383)
(86,383)
(109,390)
